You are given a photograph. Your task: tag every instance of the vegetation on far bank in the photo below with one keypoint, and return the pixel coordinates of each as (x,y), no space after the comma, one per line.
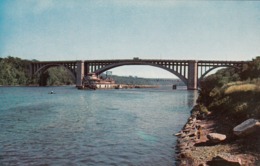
(16,72)
(56,76)
(130,80)
(232,92)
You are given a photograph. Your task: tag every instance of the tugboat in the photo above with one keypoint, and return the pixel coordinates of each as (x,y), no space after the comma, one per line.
(92,81)
(89,81)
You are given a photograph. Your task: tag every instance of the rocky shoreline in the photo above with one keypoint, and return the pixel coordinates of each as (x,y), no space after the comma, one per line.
(197,147)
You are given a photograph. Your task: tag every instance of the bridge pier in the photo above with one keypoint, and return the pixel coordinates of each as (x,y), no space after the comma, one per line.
(193,75)
(80,73)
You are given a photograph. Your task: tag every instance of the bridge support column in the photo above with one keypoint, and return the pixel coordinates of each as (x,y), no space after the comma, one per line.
(86,68)
(80,73)
(193,75)
(31,70)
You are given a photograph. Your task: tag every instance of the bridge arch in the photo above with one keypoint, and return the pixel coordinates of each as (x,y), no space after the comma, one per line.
(42,69)
(114,65)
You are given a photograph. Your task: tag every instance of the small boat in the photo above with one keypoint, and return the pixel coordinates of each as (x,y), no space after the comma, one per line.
(51,92)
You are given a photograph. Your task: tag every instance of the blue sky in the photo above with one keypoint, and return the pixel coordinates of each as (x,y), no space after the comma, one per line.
(121,29)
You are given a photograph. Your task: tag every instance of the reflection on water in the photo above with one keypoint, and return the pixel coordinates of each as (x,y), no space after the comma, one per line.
(103,127)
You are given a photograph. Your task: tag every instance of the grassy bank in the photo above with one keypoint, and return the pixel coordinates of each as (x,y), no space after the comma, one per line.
(237,100)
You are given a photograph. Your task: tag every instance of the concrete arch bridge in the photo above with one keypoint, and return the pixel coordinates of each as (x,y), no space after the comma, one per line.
(189,71)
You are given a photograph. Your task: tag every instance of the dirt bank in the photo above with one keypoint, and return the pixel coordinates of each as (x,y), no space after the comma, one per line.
(194,148)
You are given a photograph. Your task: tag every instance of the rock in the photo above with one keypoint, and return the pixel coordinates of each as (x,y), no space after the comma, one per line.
(247,127)
(183,135)
(178,134)
(216,137)
(225,159)
(192,134)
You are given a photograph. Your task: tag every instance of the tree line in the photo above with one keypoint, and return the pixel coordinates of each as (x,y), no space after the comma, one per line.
(16,72)
(130,80)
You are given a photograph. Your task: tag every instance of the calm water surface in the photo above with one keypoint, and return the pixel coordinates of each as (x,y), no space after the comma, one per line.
(103,127)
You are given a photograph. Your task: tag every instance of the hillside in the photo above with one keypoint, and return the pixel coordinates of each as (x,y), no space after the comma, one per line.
(226,99)
(233,92)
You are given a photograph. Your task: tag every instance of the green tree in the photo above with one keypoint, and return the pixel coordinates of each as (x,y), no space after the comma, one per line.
(56,76)
(216,81)
(14,71)
(252,70)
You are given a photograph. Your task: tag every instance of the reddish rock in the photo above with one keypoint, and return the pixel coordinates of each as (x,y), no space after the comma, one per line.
(216,137)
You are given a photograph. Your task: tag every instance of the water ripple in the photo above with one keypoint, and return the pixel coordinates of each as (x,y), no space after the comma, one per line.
(108,127)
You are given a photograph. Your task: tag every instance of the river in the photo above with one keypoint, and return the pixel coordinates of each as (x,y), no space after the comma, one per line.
(102,127)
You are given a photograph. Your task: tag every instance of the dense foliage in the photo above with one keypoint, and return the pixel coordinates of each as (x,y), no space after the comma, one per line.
(252,70)
(56,76)
(14,71)
(216,80)
(238,99)
(232,92)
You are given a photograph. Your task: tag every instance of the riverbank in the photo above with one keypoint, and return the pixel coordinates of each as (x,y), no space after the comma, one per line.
(194,147)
